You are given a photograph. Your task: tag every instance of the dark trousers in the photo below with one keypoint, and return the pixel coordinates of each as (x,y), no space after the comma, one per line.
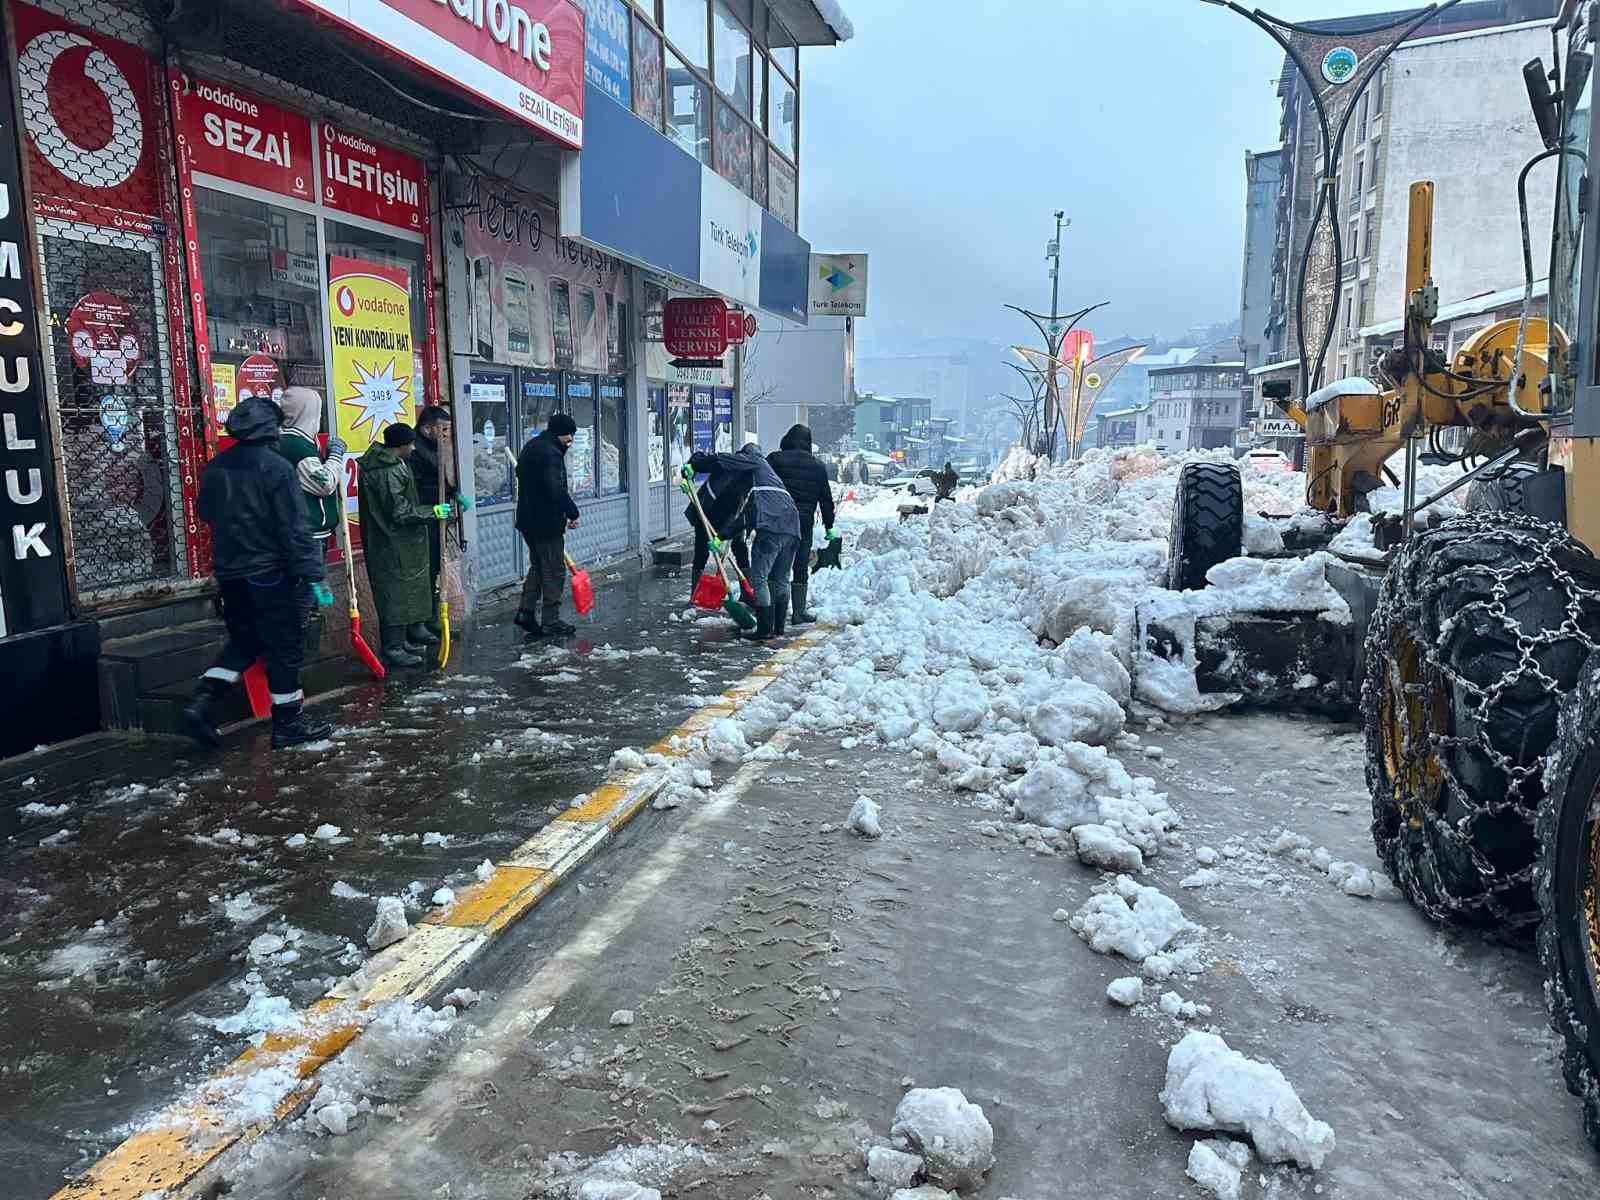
(435,534)
(702,553)
(547,575)
(266,618)
(802,554)
(773,562)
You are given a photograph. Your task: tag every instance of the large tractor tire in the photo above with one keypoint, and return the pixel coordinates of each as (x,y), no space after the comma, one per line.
(1481,628)
(1502,492)
(1207,523)
(1569,894)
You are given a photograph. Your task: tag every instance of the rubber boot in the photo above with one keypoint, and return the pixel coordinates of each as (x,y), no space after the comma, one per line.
(291,726)
(800,616)
(432,623)
(395,652)
(528,623)
(197,713)
(763,630)
(780,615)
(418,634)
(556,627)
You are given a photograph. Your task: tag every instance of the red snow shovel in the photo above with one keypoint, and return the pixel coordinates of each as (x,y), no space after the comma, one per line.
(357,643)
(710,591)
(582,588)
(741,614)
(256,690)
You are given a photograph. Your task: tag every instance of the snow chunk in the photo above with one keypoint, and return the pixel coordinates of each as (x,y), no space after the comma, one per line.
(1127,991)
(343,891)
(1080,712)
(864,818)
(1206,856)
(264,945)
(605,1189)
(1211,1086)
(950,1132)
(892,1167)
(1055,796)
(36,809)
(326,833)
(296,841)
(444,895)
(1204,877)
(435,838)
(959,702)
(1134,921)
(261,1014)
(389,925)
(1102,846)
(484,871)
(1218,1166)
(623,1016)
(1288,843)
(926,1192)
(336,1117)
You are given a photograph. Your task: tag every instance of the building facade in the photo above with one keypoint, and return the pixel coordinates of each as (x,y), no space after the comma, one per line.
(400,212)
(1263,173)
(1198,405)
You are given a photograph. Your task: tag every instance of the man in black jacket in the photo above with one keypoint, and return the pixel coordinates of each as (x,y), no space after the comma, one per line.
(772,515)
(807,480)
(268,568)
(726,514)
(433,429)
(545,511)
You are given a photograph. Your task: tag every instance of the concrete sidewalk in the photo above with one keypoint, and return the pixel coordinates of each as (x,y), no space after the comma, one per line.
(136,874)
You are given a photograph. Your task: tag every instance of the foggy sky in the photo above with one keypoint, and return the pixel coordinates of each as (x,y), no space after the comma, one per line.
(943,136)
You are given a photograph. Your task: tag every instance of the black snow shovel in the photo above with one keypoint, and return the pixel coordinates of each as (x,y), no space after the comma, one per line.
(828,556)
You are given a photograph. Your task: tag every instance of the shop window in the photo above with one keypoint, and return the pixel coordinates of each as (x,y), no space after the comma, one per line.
(758,92)
(263,304)
(704,419)
(657,450)
(758,181)
(688,109)
(680,427)
(685,24)
(386,250)
(578,399)
(613,435)
(722,400)
(647,75)
(541,396)
(733,146)
(731,48)
(785,110)
(784,53)
(782,188)
(491,435)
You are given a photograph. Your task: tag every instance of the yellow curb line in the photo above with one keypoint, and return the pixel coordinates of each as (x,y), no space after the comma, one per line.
(160,1160)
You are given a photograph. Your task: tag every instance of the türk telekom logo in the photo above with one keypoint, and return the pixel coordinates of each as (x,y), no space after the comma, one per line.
(86,100)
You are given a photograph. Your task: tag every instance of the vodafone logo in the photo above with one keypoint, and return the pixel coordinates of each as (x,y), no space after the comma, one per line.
(88,125)
(346,300)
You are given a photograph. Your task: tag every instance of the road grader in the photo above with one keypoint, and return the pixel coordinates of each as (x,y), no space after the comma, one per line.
(1478,679)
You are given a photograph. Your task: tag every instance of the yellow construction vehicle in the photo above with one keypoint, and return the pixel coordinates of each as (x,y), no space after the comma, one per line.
(1479,677)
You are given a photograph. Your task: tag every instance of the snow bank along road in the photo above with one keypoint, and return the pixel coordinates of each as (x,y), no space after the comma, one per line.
(983,703)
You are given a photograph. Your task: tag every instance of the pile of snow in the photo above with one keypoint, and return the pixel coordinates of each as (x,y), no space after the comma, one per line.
(1213,1087)
(1218,1165)
(949,1133)
(389,924)
(1130,919)
(863,818)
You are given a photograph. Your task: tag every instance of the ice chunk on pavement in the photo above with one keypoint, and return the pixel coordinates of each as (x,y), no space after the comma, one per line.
(326,833)
(1218,1166)
(1127,991)
(484,871)
(1053,795)
(296,841)
(1359,882)
(605,1189)
(1288,842)
(462,998)
(926,1192)
(959,702)
(892,1167)
(864,818)
(623,1016)
(1204,877)
(336,1117)
(1211,1086)
(1092,657)
(444,895)
(45,810)
(1134,921)
(1101,846)
(261,1014)
(264,945)
(1179,1009)
(343,891)
(949,1131)
(434,838)
(1079,712)
(390,925)
(1206,856)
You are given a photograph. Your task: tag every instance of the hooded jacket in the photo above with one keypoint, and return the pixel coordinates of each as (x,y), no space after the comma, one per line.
(251,499)
(733,477)
(394,534)
(320,479)
(805,477)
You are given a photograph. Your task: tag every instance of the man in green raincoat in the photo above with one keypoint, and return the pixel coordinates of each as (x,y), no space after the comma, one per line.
(394,534)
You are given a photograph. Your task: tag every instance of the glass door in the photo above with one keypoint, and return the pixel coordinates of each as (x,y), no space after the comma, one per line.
(500,554)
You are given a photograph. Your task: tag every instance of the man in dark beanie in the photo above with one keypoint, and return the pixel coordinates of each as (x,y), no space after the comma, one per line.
(807,480)
(268,569)
(394,536)
(545,511)
(433,433)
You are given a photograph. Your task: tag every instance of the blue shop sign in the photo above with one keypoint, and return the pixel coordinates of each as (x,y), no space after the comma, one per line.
(605,58)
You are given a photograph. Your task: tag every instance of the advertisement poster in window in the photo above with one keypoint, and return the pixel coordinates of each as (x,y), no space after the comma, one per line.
(658,434)
(605,59)
(491,434)
(785,189)
(613,435)
(733,147)
(534,300)
(723,406)
(705,434)
(369,313)
(680,435)
(580,455)
(647,75)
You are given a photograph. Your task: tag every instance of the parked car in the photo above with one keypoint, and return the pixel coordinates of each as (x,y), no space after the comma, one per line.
(1273,461)
(919,484)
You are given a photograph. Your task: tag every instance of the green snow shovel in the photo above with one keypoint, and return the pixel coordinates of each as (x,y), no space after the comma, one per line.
(741,614)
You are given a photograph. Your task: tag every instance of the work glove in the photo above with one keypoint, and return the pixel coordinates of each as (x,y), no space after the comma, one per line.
(322,594)
(443,511)
(716,545)
(464,503)
(337,448)
(687,473)
(832,536)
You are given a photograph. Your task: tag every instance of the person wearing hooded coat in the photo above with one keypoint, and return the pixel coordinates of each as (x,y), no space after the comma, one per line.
(433,424)
(268,567)
(394,535)
(726,515)
(545,511)
(321,479)
(806,478)
(771,512)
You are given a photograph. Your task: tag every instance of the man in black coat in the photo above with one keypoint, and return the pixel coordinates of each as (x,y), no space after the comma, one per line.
(770,512)
(268,568)
(807,480)
(545,511)
(725,511)
(433,429)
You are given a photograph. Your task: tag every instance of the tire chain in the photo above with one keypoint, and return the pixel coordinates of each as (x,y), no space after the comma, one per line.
(1407,591)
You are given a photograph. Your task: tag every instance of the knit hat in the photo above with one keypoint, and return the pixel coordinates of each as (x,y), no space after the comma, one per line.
(399,434)
(562,425)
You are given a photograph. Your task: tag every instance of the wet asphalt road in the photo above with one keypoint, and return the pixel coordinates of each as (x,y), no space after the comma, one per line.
(125,919)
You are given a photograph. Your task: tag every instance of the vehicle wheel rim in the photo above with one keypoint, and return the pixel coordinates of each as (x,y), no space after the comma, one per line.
(1411,767)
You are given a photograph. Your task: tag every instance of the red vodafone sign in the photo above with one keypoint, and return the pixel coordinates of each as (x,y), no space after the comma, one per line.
(524,57)
(234,135)
(361,177)
(696,328)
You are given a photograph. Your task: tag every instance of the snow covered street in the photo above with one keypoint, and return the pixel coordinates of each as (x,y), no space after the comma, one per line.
(790,980)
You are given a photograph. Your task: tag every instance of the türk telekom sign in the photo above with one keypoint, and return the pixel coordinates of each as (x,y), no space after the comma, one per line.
(524,57)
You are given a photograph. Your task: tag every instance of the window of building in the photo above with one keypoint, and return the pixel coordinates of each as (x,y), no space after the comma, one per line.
(785,56)
(613,435)
(386,250)
(733,146)
(1361,120)
(1377,144)
(688,109)
(1366,239)
(758,92)
(1377,89)
(1355,193)
(1349,308)
(647,75)
(783,115)
(578,400)
(686,28)
(1353,241)
(730,44)
(1361,307)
